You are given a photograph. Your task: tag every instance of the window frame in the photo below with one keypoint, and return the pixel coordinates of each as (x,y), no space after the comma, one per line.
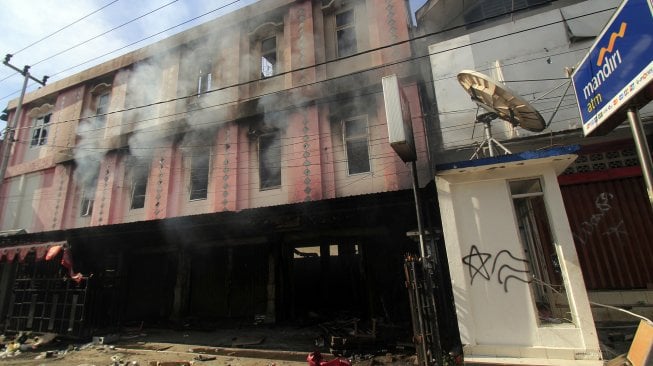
(532,238)
(204,78)
(88,195)
(194,158)
(264,53)
(138,180)
(356,138)
(348,27)
(102,102)
(271,180)
(41,129)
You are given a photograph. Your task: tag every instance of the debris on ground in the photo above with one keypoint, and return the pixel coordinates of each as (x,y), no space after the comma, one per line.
(204,358)
(315,359)
(14,344)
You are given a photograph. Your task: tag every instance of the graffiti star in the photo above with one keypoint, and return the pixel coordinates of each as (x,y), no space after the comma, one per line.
(477,262)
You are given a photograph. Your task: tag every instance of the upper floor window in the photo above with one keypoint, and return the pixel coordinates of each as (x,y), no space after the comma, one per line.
(199,175)
(346,33)
(269,160)
(40,130)
(139,189)
(87,203)
(268,57)
(204,78)
(88,194)
(356,145)
(101,108)
(264,43)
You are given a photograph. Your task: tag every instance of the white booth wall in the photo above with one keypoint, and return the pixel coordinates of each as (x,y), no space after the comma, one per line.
(494,299)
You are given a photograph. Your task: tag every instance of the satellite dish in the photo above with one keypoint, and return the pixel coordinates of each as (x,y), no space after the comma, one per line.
(500,102)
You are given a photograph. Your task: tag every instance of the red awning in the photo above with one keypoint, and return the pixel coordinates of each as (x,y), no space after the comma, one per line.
(40,249)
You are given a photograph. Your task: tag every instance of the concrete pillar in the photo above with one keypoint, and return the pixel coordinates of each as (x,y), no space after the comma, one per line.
(6,281)
(182,285)
(270,309)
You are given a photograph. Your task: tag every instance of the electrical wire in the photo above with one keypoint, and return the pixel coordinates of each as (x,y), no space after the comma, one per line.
(121,48)
(356,54)
(318,65)
(104,33)
(57,31)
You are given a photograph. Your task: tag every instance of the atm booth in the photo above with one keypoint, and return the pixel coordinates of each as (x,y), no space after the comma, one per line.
(518,288)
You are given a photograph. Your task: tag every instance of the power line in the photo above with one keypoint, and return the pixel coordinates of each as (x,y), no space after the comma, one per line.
(121,48)
(105,33)
(337,77)
(354,55)
(385,65)
(63,28)
(55,32)
(148,37)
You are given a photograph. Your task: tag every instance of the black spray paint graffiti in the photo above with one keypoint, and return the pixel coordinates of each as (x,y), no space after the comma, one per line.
(477,264)
(589,226)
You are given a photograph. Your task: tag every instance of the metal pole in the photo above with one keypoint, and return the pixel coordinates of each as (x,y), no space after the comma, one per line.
(487,131)
(9,138)
(418,208)
(643,150)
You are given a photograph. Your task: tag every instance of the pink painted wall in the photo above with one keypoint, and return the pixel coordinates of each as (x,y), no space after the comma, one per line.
(308,151)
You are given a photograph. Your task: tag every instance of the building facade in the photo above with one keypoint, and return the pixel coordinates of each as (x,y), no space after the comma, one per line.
(238,169)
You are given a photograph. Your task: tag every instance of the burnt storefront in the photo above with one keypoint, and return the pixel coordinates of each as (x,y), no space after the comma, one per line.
(298,264)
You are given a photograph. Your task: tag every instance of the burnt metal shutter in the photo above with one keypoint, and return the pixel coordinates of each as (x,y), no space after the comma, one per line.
(612,224)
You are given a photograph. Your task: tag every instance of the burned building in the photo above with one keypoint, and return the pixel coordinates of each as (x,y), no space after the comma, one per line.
(239,169)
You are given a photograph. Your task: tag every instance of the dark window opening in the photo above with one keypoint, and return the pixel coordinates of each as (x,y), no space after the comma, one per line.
(199,177)
(346,33)
(356,144)
(139,189)
(268,57)
(40,132)
(269,157)
(329,272)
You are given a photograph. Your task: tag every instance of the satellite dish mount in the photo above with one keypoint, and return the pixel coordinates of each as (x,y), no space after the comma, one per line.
(489,141)
(500,103)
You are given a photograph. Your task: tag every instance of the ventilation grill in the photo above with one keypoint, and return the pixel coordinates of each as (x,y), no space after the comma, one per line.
(603,161)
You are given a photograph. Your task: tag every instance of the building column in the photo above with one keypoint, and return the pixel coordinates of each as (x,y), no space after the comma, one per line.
(182,285)
(270,308)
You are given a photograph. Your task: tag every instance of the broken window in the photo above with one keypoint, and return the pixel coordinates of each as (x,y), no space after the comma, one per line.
(139,188)
(88,195)
(356,145)
(204,78)
(40,131)
(268,57)
(541,259)
(346,33)
(199,175)
(269,160)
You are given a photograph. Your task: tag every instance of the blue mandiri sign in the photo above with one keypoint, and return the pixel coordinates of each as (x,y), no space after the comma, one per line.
(617,67)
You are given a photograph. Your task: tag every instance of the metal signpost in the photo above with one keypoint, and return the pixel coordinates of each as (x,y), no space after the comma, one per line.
(615,78)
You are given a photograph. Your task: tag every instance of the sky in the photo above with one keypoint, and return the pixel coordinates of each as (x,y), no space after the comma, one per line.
(85,36)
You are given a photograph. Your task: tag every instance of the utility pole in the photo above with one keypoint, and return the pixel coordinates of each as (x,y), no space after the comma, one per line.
(11,126)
